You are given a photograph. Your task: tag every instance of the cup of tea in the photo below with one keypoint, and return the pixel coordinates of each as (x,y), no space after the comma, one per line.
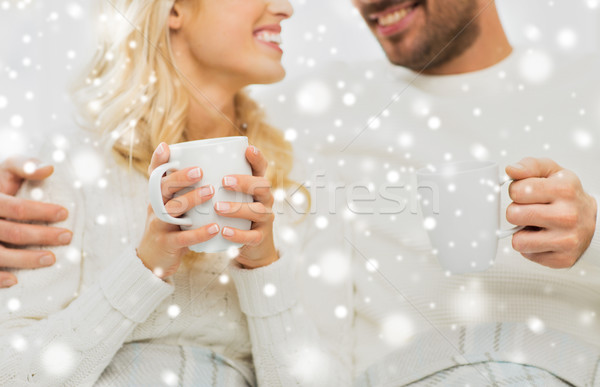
(460,203)
(218,157)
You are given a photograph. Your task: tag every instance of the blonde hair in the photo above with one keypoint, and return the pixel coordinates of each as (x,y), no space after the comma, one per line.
(133,92)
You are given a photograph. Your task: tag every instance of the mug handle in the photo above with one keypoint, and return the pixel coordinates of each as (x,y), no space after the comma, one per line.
(501,233)
(156,199)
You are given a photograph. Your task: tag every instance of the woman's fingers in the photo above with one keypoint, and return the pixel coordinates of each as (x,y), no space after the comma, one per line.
(179,180)
(182,204)
(246,238)
(257,161)
(255,212)
(258,187)
(183,239)
(160,156)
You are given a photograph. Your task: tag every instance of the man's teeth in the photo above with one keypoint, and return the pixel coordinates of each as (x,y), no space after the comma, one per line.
(269,37)
(394,17)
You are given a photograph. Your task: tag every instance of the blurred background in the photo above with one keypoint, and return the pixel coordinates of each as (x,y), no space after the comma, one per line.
(44,43)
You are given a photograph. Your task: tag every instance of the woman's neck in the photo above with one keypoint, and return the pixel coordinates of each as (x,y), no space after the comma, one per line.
(210,116)
(211,111)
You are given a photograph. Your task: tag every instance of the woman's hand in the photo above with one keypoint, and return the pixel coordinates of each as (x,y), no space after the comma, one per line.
(259,249)
(163,245)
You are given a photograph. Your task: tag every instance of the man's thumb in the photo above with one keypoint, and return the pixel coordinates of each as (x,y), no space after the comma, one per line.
(27,168)
(531,167)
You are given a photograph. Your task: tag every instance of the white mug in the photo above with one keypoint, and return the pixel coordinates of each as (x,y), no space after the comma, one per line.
(217,157)
(460,202)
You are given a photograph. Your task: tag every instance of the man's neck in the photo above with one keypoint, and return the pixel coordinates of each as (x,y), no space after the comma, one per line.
(491,47)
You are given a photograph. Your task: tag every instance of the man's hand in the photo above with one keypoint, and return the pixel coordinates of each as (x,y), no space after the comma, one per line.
(13,211)
(560,216)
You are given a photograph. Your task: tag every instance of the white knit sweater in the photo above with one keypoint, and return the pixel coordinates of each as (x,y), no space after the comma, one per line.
(63,325)
(406,306)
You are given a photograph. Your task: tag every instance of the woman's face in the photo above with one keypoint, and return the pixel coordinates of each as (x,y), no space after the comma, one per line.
(234,41)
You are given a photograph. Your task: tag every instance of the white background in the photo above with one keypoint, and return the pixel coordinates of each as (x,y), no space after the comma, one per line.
(44,42)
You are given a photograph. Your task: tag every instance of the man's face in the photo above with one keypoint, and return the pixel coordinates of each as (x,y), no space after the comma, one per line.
(421,34)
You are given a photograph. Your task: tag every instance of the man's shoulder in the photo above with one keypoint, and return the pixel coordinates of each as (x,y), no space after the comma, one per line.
(337,75)
(330,92)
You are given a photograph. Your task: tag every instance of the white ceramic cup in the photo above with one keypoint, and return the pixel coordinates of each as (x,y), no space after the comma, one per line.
(217,157)
(460,202)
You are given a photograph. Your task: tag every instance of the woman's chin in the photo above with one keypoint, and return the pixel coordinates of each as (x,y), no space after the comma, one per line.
(270,74)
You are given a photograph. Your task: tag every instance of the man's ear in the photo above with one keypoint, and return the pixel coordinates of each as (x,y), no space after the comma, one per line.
(176,17)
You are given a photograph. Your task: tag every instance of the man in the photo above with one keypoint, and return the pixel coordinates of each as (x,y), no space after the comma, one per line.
(15,213)
(458,91)
(522,321)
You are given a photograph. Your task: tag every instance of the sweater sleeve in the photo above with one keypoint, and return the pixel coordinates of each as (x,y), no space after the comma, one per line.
(287,348)
(54,329)
(299,308)
(73,346)
(592,254)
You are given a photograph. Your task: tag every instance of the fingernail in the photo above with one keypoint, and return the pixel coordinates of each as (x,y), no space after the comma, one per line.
(62,215)
(7,283)
(213,229)
(229,181)
(40,166)
(227,232)
(222,207)
(161,149)
(46,260)
(65,237)
(517,166)
(206,191)
(195,173)
(254,150)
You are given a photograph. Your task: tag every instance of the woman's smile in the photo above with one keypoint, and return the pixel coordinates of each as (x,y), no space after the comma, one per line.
(269,35)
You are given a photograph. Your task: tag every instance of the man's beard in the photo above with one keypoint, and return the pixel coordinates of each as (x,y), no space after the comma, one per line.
(450,29)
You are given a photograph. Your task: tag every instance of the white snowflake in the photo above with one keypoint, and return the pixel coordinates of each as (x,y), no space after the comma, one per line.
(434,123)
(314,98)
(16,121)
(349,99)
(567,38)
(429,223)
(322,222)
(582,138)
(396,330)
(372,265)
(335,266)
(18,342)
(341,311)
(173,310)
(269,290)
(169,378)
(536,66)
(314,271)
(291,135)
(536,325)
(13,304)
(58,359)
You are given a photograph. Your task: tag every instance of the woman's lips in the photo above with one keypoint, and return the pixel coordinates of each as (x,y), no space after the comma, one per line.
(269,36)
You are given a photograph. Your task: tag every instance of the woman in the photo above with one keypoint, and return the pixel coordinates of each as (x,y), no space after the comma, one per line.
(120,309)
